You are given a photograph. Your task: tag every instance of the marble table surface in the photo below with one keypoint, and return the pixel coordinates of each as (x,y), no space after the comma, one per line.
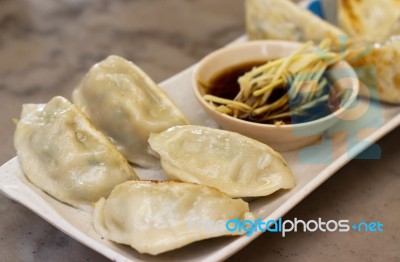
(47,46)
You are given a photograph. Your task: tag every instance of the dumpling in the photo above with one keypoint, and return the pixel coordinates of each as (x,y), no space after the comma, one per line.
(62,154)
(155,217)
(379,70)
(124,103)
(285,20)
(369,20)
(235,164)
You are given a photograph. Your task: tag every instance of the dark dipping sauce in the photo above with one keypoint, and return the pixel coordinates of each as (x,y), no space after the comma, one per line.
(225,85)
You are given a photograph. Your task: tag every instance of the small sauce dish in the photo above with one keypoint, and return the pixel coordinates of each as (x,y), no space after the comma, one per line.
(283,137)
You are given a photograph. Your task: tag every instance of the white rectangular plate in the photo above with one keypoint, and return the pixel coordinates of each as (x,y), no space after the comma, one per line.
(311,168)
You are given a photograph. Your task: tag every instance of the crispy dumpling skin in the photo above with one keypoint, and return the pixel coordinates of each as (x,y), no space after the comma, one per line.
(62,154)
(379,69)
(124,103)
(235,164)
(369,20)
(285,20)
(155,217)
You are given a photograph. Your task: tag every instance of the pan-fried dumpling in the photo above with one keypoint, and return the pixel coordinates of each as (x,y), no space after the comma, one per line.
(377,65)
(62,154)
(155,217)
(284,20)
(369,20)
(124,103)
(235,164)
(379,69)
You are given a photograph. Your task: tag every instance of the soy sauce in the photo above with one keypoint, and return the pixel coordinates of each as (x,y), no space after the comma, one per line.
(225,83)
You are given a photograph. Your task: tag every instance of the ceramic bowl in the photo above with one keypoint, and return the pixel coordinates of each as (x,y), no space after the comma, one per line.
(285,137)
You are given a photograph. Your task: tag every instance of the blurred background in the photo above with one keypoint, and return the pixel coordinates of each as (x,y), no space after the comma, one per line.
(47,46)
